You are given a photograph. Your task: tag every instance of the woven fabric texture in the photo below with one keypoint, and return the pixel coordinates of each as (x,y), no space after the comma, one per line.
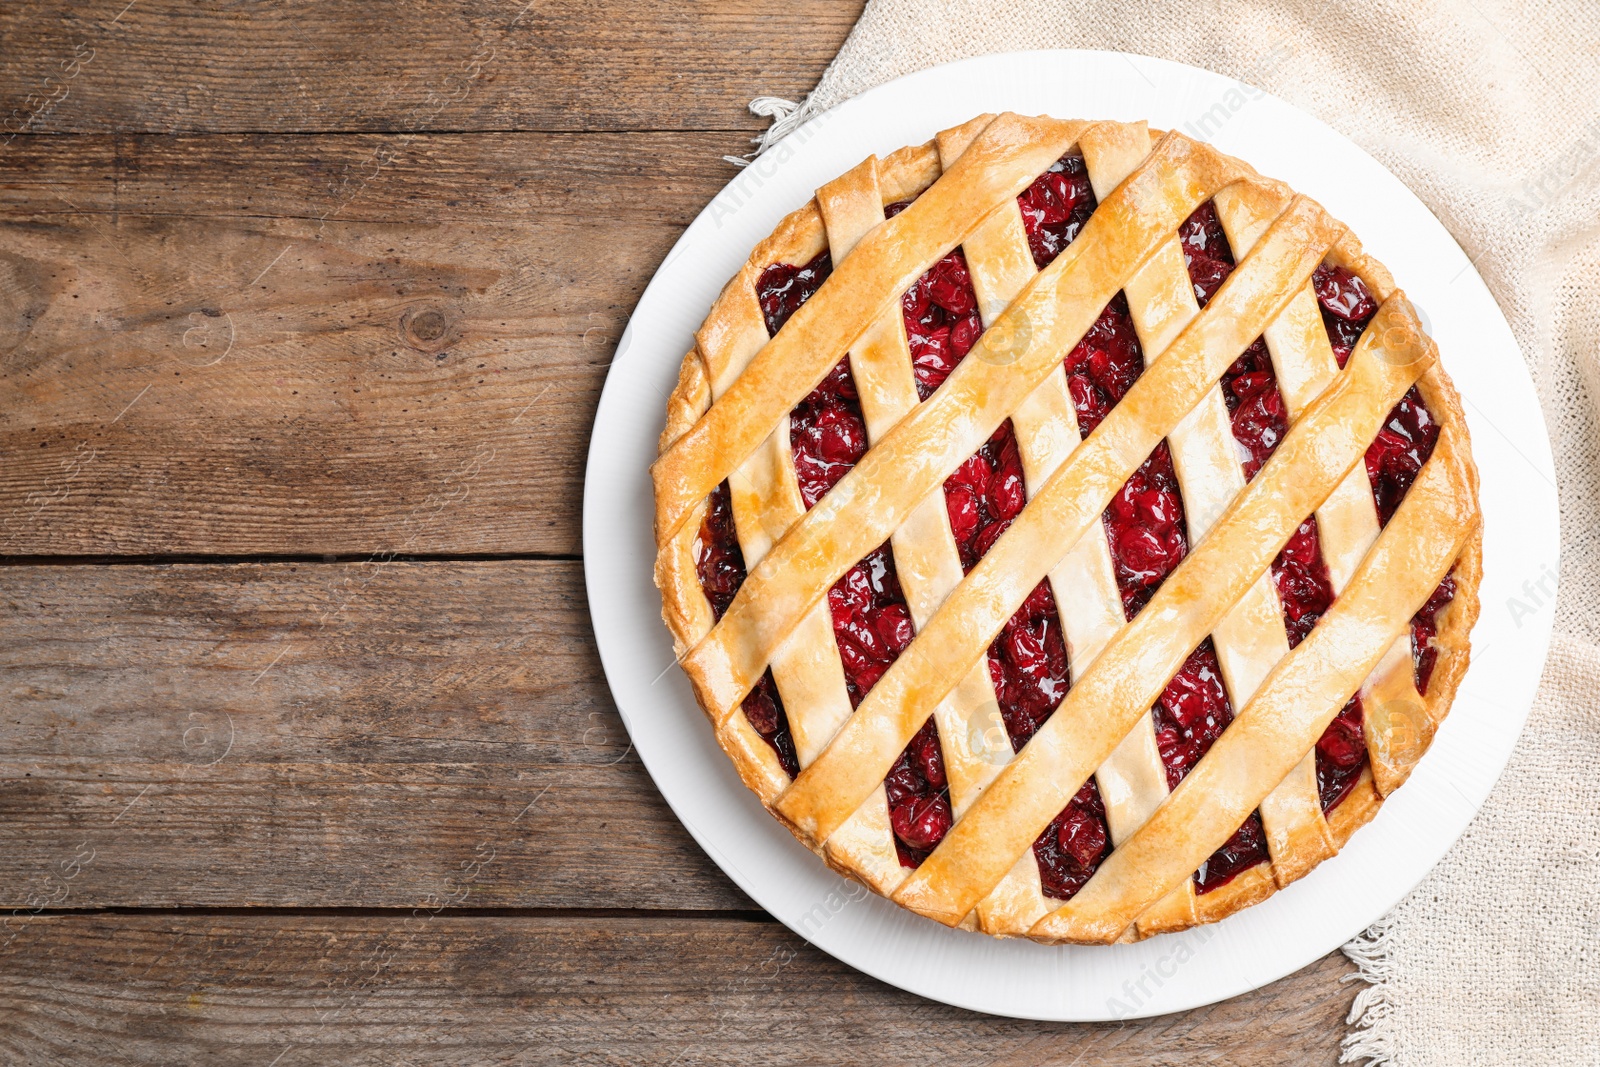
(1490,111)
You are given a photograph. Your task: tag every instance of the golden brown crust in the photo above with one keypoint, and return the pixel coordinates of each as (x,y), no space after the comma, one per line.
(798,238)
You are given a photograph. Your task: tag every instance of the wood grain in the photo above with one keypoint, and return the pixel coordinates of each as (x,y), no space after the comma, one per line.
(256,299)
(307,345)
(438,989)
(174,66)
(323,735)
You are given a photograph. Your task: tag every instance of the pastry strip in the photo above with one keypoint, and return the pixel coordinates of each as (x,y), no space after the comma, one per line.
(1002,162)
(1049,316)
(1129,675)
(1287,715)
(1073,498)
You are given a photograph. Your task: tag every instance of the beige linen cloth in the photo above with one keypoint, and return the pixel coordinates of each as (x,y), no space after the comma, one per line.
(1490,111)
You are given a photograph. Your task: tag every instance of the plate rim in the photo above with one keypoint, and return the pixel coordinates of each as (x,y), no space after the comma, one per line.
(911,970)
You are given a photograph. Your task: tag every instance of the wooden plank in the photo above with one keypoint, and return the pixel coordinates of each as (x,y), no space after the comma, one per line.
(165,65)
(323,735)
(319,344)
(436,989)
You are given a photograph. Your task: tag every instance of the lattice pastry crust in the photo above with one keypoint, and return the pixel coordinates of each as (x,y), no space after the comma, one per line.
(728,420)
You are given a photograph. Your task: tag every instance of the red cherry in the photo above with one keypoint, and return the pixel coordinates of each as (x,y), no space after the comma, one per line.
(782,288)
(1259,424)
(1441,596)
(1342,336)
(1201,233)
(964,334)
(1006,495)
(1342,294)
(854,590)
(988,536)
(881,576)
(1089,403)
(863,630)
(1253,360)
(1170,744)
(921,822)
(916,303)
(1111,374)
(1186,701)
(893,624)
(1146,554)
(929,759)
(997,676)
(841,436)
(1248,385)
(869,677)
(962,505)
(762,711)
(902,781)
(1040,603)
(857,664)
(1302,549)
(1082,836)
(932,360)
(839,382)
(1342,743)
(1025,646)
(973,473)
(1053,194)
(950,286)
(1207,275)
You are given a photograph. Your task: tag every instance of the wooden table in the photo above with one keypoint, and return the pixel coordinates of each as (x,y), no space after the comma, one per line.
(305,753)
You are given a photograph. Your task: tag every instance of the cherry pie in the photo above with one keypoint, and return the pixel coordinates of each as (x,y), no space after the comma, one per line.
(1069,533)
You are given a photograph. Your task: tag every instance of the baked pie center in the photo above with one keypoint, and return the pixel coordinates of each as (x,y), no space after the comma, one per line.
(1100,585)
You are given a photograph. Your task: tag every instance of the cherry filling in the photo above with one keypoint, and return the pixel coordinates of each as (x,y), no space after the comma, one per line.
(718,560)
(1103,365)
(1302,581)
(719,563)
(941,315)
(1191,713)
(1194,709)
(1245,849)
(1341,753)
(782,288)
(941,309)
(1306,591)
(1144,522)
(871,622)
(1206,252)
(1028,660)
(919,798)
(828,436)
(1406,441)
(1424,628)
(1255,407)
(1146,530)
(1249,386)
(984,494)
(1028,666)
(1055,207)
(1260,421)
(1347,306)
(1397,454)
(1072,846)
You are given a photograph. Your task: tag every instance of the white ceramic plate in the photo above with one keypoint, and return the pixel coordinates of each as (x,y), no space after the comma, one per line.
(1018,978)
